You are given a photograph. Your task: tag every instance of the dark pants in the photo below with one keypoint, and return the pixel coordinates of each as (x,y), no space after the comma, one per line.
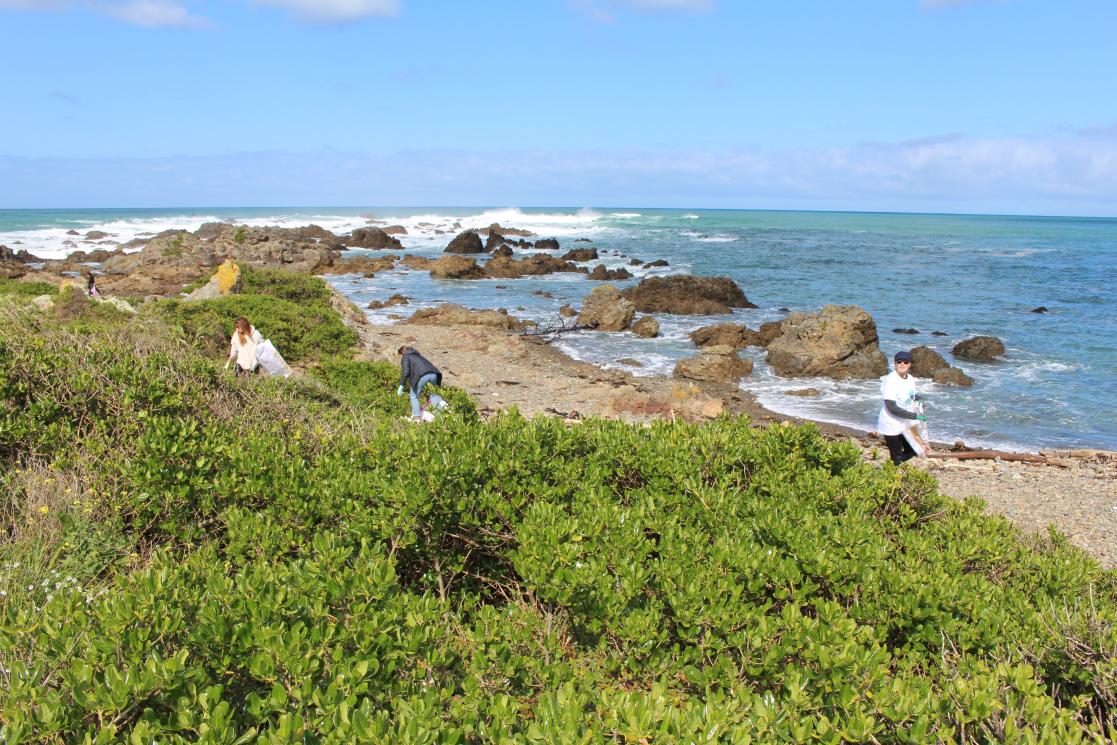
(238,370)
(899,448)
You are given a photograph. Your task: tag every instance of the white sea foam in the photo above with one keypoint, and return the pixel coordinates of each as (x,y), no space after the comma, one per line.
(689,217)
(625,214)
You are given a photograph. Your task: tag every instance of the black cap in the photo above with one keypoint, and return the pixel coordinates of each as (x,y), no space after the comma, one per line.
(902,356)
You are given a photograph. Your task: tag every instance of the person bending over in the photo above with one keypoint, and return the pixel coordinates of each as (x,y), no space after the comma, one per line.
(242,348)
(898,412)
(417,372)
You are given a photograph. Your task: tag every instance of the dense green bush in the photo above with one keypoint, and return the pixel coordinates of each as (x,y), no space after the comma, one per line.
(289,560)
(26,289)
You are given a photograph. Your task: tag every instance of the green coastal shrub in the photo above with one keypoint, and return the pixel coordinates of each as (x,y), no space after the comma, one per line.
(299,332)
(28,290)
(290,561)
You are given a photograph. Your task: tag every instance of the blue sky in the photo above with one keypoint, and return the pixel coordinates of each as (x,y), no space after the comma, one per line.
(923,105)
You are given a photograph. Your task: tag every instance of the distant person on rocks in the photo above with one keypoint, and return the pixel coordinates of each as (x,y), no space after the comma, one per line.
(242,348)
(91,287)
(417,372)
(898,412)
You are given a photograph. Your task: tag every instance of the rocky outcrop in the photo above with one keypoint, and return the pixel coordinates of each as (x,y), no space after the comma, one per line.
(768,332)
(95,235)
(225,281)
(456,267)
(503,267)
(839,342)
(499,230)
(12,269)
(656,263)
(580,254)
(979,349)
(646,326)
(395,230)
(416,262)
(373,238)
(547,244)
(600,273)
(605,309)
(734,335)
(688,295)
(716,364)
(390,302)
(466,243)
(567,311)
(360,265)
(452,314)
(502,250)
(927,363)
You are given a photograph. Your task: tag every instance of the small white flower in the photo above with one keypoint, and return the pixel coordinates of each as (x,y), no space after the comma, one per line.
(3,593)
(49,597)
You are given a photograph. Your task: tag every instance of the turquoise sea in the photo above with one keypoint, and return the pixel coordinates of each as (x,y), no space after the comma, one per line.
(961,274)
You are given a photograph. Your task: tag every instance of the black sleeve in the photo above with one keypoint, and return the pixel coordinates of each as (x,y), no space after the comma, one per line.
(404,370)
(895,410)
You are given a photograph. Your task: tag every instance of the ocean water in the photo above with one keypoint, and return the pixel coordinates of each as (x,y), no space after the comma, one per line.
(961,274)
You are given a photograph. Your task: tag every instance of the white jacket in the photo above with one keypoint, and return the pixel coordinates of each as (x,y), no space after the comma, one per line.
(245,353)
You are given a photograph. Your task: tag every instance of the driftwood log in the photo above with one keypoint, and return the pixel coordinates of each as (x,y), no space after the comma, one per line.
(988,455)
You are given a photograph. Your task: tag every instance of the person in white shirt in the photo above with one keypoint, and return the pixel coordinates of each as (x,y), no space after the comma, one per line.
(242,348)
(898,412)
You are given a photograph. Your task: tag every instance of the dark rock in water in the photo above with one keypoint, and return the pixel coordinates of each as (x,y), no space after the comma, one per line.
(466,243)
(395,230)
(500,287)
(456,267)
(393,300)
(634,262)
(645,326)
(501,267)
(804,392)
(952,376)
(72,232)
(924,362)
(657,262)
(687,294)
(979,349)
(549,244)
(580,254)
(95,235)
(582,240)
(939,333)
(567,311)
(374,238)
(630,362)
(494,241)
(600,273)
(839,342)
(725,334)
(605,309)
(719,364)
(905,331)
(1040,309)
(544,293)
(784,310)
(768,332)
(496,228)
(503,250)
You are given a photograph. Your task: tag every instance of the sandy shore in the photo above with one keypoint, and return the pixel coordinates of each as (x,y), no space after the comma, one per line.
(1076,491)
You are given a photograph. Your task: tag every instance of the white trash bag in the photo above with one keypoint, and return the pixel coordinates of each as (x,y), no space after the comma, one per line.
(271,360)
(917,436)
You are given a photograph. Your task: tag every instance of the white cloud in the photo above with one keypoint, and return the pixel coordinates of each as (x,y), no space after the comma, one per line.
(604,11)
(336,11)
(147,13)
(154,14)
(1072,175)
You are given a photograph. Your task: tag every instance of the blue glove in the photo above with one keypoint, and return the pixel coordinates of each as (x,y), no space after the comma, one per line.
(399,391)
(921,418)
